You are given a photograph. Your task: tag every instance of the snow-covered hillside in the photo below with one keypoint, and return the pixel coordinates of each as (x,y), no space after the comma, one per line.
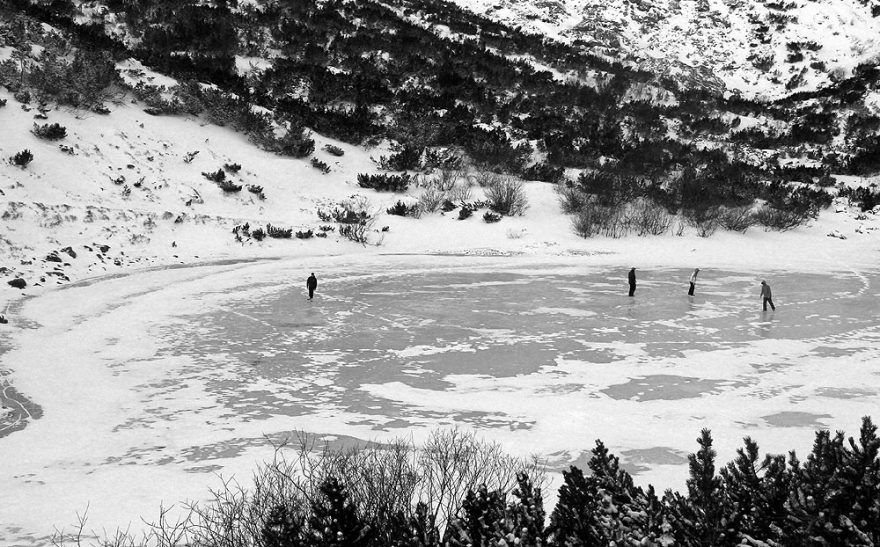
(127,190)
(761,49)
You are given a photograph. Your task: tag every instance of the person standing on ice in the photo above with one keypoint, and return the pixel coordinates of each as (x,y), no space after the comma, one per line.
(693,281)
(632,282)
(767,296)
(311,285)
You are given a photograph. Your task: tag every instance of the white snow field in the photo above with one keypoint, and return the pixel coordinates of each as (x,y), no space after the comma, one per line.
(152,384)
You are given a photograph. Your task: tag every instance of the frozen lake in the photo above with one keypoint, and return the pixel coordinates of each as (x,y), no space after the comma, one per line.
(157,380)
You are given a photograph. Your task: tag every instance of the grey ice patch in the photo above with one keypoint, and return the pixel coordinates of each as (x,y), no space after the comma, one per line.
(657,455)
(835,352)
(796,419)
(637,461)
(844,393)
(664,387)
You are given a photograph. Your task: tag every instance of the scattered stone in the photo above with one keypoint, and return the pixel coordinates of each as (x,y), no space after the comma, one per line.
(3,321)
(69,251)
(53,257)
(18,283)
(104,248)
(837,234)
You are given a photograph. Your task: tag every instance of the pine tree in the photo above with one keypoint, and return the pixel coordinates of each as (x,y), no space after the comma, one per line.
(627,514)
(334,521)
(756,494)
(699,519)
(283,528)
(815,498)
(860,478)
(573,521)
(480,523)
(527,513)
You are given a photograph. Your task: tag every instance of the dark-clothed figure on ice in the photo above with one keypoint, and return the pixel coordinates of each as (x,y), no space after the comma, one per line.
(311,285)
(693,282)
(767,296)
(632,282)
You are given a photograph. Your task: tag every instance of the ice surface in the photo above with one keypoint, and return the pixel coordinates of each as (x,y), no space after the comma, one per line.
(151,383)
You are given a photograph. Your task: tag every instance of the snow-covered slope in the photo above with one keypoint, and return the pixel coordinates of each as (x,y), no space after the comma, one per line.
(762,49)
(123,195)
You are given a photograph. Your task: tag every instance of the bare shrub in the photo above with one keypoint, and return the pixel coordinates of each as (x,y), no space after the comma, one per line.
(431,200)
(780,220)
(706,220)
(461,193)
(594,219)
(356,219)
(384,483)
(737,219)
(359,233)
(507,197)
(484,179)
(645,217)
(454,461)
(446,179)
(571,199)
(584,223)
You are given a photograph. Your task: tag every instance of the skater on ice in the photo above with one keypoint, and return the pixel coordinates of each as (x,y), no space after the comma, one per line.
(693,282)
(632,282)
(311,285)
(767,296)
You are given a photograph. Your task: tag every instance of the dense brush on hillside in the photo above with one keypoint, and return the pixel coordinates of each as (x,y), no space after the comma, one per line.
(459,491)
(443,83)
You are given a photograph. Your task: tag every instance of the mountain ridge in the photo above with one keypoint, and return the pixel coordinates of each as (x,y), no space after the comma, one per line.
(763,50)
